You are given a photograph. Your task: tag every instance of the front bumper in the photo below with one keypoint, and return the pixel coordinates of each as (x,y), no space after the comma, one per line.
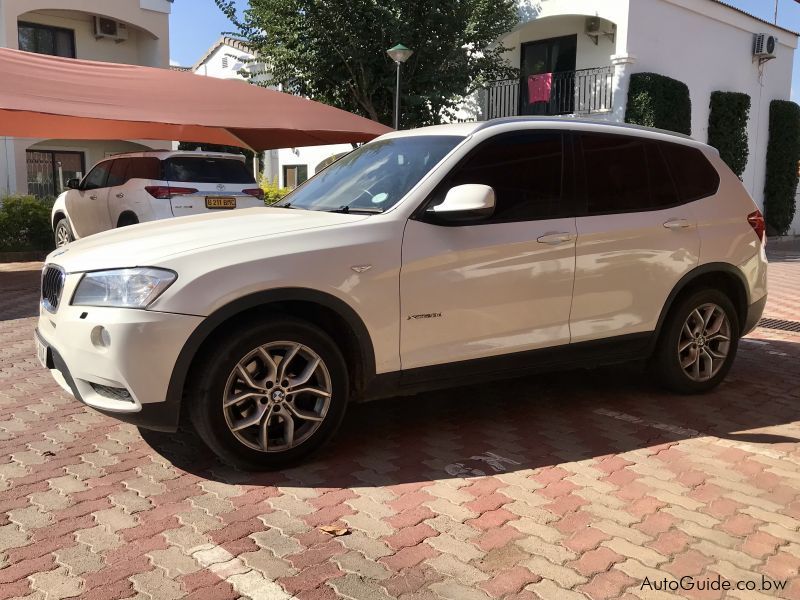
(135,356)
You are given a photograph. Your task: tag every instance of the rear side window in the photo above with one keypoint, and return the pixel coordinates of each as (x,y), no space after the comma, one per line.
(194,169)
(116,176)
(625,174)
(144,168)
(526,171)
(694,176)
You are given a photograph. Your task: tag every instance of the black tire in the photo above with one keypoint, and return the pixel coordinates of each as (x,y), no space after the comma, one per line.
(62,232)
(666,361)
(209,378)
(127,219)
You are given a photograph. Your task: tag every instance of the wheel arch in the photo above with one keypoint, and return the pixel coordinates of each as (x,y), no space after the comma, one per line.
(331,314)
(57,216)
(125,215)
(722,276)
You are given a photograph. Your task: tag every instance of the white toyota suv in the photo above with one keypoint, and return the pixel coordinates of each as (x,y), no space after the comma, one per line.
(445,255)
(126,189)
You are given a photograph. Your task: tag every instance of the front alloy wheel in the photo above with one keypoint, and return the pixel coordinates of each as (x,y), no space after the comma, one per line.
(277,396)
(265,394)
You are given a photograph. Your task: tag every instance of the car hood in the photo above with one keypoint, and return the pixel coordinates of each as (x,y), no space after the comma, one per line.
(148,243)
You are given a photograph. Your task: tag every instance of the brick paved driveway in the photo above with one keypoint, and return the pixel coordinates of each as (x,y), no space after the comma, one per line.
(604,481)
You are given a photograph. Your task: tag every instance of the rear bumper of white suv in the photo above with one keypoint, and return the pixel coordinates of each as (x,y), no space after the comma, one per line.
(117,361)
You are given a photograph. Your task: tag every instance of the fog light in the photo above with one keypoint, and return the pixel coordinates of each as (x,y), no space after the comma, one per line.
(101,337)
(112,393)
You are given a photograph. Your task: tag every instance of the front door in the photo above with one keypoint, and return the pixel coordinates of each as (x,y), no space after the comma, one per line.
(501,285)
(547,70)
(88,206)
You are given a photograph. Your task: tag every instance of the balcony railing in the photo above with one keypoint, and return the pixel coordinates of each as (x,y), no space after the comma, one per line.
(571,92)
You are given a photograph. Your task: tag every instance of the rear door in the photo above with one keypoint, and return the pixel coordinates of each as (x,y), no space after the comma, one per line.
(209,183)
(129,195)
(88,206)
(636,237)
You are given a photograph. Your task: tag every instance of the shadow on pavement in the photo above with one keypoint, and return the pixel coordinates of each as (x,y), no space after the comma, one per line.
(19,290)
(529,423)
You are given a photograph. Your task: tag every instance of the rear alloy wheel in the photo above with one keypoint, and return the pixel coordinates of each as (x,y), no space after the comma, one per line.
(269,393)
(63,233)
(704,342)
(698,343)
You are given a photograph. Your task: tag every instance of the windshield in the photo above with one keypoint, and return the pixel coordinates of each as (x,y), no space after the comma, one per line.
(374,177)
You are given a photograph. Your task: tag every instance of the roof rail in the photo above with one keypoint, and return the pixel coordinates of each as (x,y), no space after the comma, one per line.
(533,119)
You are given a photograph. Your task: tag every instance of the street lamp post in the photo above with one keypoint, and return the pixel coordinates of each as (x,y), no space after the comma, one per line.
(399,54)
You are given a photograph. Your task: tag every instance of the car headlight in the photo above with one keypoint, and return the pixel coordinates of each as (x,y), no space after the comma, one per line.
(122,288)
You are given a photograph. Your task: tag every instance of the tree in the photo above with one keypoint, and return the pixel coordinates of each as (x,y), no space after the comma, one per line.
(334,51)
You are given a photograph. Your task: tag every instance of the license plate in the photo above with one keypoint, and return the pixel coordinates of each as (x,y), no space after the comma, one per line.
(41,351)
(220,202)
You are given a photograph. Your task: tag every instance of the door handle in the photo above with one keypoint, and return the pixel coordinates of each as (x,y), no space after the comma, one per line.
(554,239)
(92,197)
(120,195)
(677,224)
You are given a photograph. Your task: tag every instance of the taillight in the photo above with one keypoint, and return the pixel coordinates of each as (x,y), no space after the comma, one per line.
(756,220)
(255,192)
(166,192)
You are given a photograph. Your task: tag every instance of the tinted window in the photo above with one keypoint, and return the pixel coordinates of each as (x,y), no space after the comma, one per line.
(694,176)
(526,172)
(116,176)
(144,168)
(624,174)
(43,39)
(207,170)
(97,176)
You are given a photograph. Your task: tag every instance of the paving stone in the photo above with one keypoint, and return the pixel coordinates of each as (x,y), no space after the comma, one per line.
(79,559)
(56,584)
(173,561)
(358,588)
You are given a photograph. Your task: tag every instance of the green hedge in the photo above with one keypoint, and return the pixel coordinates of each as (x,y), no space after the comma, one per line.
(25,224)
(727,128)
(783,154)
(659,101)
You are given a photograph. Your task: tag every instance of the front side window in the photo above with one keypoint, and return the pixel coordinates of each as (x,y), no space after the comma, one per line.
(202,169)
(374,177)
(97,177)
(526,171)
(44,39)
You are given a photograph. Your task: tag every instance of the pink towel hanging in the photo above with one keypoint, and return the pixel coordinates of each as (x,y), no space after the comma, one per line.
(539,87)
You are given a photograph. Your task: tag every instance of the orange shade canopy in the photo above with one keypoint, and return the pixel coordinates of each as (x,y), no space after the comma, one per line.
(62,98)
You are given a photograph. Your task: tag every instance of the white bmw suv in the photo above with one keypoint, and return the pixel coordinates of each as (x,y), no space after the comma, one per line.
(126,189)
(427,258)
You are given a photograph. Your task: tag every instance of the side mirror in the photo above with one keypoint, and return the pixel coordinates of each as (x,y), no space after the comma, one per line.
(468,202)
(73,184)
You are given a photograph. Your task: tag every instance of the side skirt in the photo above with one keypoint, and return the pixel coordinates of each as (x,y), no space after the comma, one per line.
(595,353)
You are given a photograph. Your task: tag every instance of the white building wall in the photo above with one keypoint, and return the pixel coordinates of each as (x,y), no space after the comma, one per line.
(709,47)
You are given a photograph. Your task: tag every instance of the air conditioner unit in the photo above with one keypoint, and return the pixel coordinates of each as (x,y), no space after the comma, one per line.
(764,46)
(109,28)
